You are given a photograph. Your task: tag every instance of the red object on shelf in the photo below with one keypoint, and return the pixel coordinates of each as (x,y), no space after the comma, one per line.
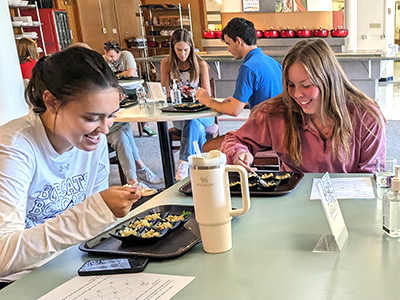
(209,34)
(302,33)
(152,44)
(321,32)
(55,26)
(259,33)
(271,33)
(288,33)
(218,34)
(165,44)
(339,32)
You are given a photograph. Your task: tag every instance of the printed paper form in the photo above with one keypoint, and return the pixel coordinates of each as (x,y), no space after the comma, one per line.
(347,188)
(137,286)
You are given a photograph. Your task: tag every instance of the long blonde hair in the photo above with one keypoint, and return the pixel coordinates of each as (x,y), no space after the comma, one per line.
(183,35)
(338,98)
(27,49)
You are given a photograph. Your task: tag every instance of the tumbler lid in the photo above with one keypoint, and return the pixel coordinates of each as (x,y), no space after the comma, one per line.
(213,159)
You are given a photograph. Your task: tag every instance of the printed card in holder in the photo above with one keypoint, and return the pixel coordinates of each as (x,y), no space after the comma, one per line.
(156,91)
(331,242)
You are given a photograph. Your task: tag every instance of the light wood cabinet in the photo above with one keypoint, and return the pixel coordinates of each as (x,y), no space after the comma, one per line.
(95,22)
(127,20)
(70,6)
(98,22)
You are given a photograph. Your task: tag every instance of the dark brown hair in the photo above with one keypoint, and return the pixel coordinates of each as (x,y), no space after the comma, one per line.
(71,72)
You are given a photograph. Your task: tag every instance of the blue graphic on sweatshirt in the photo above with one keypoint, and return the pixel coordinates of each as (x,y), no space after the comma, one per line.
(56,198)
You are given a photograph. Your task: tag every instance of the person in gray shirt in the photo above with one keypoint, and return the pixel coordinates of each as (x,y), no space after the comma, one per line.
(123,63)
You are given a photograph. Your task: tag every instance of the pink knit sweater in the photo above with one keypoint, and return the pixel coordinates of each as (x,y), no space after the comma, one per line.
(261,131)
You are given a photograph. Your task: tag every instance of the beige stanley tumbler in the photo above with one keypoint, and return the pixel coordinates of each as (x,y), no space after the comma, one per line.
(212,200)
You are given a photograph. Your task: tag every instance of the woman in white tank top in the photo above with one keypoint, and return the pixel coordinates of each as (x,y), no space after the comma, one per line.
(191,71)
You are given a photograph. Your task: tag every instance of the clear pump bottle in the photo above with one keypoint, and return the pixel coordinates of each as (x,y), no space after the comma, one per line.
(175,94)
(391,207)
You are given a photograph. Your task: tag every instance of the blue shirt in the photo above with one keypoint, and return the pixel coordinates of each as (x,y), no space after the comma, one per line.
(259,78)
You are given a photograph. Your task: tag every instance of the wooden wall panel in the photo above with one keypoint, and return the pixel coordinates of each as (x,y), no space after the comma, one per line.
(91,23)
(293,20)
(126,18)
(68,5)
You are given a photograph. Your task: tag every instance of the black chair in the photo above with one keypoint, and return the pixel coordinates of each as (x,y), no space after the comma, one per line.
(267,160)
(113,157)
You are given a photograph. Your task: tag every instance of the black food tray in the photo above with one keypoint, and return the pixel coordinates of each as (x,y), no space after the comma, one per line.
(129,103)
(174,243)
(187,99)
(282,189)
(171,108)
(126,77)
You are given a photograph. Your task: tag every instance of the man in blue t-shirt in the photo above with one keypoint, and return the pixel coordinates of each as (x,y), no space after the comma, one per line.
(259,77)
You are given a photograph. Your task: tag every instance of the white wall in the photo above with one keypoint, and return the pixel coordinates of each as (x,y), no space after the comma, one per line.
(12,103)
(213,5)
(231,6)
(319,5)
(375,27)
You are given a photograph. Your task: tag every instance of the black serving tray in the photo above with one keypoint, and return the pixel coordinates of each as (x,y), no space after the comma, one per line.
(282,189)
(125,77)
(171,108)
(174,243)
(128,103)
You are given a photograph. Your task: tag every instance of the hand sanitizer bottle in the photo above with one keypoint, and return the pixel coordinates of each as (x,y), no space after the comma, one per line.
(390,209)
(176,94)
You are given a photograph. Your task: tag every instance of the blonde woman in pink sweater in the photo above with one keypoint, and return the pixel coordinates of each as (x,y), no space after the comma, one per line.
(320,122)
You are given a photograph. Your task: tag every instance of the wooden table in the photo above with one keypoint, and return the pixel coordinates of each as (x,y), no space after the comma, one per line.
(152,113)
(272,255)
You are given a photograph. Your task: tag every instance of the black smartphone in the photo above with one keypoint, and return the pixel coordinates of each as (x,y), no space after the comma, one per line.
(113,266)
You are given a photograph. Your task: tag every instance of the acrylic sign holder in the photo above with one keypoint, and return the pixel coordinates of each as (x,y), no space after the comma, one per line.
(331,242)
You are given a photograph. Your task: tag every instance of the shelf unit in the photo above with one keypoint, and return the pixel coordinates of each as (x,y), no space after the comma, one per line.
(17,13)
(161,22)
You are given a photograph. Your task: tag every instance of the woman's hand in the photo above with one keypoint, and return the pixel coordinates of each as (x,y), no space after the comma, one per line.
(245,160)
(203,96)
(119,199)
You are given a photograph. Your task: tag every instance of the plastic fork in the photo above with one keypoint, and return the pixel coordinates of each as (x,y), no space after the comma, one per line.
(262,182)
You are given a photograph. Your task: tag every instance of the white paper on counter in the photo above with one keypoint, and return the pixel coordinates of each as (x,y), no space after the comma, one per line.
(138,286)
(347,188)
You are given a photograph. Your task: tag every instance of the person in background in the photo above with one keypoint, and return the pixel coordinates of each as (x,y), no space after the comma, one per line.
(123,63)
(191,71)
(259,77)
(320,123)
(120,136)
(54,163)
(28,56)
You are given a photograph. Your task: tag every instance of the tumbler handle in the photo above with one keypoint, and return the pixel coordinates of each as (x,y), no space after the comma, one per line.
(244,187)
